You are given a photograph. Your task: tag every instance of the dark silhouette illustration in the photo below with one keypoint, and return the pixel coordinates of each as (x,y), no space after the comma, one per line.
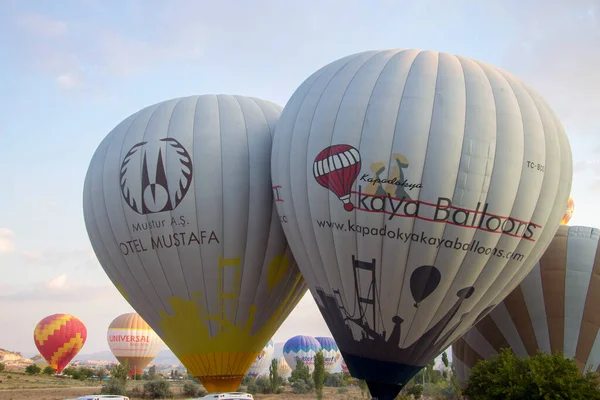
(377,353)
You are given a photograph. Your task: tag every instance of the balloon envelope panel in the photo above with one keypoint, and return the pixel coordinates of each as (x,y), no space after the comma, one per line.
(179,209)
(555,308)
(131,339)
(59,337)
(263,360)
(301,347)
(331,353)
(416,189)
(283,368)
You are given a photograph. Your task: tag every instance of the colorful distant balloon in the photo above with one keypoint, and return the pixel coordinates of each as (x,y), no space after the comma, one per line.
(344,367)
(283,369)
(301,347)
(331,353)
(555,308)
(416,190)
(59,337)
(131,339)
(178,206)
(263,361)
(568,212)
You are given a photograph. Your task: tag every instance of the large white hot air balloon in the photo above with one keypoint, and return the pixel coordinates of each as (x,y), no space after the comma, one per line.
(179,210)
(263,360)
(416,189)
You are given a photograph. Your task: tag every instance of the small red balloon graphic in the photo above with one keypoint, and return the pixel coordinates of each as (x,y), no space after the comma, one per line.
(336,169)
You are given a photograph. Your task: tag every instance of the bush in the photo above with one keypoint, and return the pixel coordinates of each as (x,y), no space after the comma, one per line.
(342,390)
(543,376)
(48,370)
(193,390)
(335,380)
(2,367)
(113,386)
(261,384)
(33,369)
(157,389)
(300,380)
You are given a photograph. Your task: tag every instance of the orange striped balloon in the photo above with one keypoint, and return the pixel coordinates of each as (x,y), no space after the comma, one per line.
(59,337)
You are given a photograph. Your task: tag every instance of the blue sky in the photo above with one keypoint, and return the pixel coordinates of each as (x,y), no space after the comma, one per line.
(72,70)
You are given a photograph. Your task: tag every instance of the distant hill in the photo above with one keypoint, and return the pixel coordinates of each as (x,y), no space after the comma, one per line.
(14,360)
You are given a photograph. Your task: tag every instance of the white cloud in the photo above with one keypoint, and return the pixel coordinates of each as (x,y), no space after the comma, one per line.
(7,240)
(58,283)
(42,26)
(68,81)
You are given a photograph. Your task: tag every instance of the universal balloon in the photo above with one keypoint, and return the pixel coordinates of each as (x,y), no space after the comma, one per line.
(568,212)
(555,308)
(263,360)
(301,347)
(59,337)
(179,209)
(131,339)
(416,189)
(331,353)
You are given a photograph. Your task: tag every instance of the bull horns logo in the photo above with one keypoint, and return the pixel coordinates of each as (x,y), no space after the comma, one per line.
(156,183)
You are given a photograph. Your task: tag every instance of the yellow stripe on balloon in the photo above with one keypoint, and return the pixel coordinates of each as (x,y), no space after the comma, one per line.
(42,334)
(75,343)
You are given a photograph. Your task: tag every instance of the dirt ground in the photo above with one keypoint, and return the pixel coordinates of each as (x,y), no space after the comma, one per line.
(20,386)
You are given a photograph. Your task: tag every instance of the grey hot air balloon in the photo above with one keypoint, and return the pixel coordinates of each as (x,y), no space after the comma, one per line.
(179,210)
(556,308)
(416,188)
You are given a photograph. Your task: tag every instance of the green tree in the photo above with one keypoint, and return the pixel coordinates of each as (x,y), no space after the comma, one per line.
(117,382)
(2,367)
(541,377)
(33,369)
(319,374)
(274,375)
(48,370)
(152,372)
(300,380)
(158,388)
(446,363)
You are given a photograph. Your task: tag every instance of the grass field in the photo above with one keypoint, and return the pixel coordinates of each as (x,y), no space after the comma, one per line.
(20,386)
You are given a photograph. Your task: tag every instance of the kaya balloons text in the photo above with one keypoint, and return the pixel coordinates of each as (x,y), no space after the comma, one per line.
(416,189)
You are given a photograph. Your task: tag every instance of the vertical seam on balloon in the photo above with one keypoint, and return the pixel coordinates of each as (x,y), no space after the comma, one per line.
(146,217)
(460,61)
(433,109)
(545,131)
(501,76)
(299,231)
(175,108)
(377,295)
(222,198)
(259,315)
(410,247)
(309,161)
(244,265)
(122,209)
(196,208)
